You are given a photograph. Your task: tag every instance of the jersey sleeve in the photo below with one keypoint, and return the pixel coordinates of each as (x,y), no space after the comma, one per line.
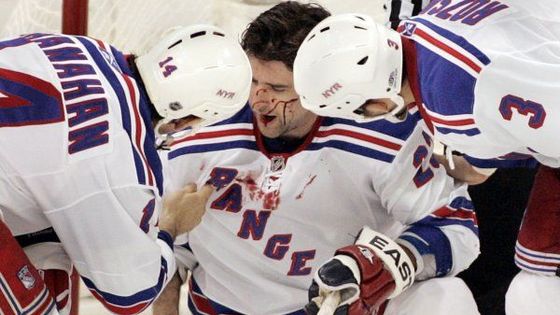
(441,227)
(513,161)
(179,172)
(112,239)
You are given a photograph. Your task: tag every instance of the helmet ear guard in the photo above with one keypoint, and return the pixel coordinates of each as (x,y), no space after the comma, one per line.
(346,60)
(197,70)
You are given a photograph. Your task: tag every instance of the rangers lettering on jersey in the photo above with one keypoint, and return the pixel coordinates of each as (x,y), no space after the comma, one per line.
(85,99)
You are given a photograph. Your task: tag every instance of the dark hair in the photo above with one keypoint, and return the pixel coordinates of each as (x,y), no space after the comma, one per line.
(277,33)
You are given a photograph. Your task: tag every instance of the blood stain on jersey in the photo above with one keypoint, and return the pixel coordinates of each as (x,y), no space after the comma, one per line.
(311,179)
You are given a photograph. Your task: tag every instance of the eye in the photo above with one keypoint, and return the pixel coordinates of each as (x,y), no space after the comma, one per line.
(278,89)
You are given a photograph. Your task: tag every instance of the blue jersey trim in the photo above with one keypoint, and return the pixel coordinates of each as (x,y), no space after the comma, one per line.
(121,96)
(458,40)
(202,148)
(352,148)
(502,163)
(144,296)
(431,240)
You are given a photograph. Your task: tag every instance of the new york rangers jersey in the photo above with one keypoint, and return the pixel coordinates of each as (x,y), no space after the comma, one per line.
(486,73)
(78,163)
(276,217)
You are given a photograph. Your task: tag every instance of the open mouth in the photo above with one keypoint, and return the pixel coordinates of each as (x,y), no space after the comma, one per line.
(266,119)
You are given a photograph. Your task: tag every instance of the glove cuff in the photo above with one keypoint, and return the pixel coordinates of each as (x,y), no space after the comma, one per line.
(394,258)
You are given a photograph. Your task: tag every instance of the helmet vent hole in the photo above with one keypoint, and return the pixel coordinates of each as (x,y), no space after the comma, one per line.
(360,27)
(175,44)
(347,102)
(219,34)
(206,111)
(197,34)
(363,61)
(325,29)
(310,38)
(338,107)
(322,106)
(359,17)
(388,89)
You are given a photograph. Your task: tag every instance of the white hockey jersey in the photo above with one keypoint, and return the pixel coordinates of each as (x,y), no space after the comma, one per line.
(79,175)
(487,73)
(276,217)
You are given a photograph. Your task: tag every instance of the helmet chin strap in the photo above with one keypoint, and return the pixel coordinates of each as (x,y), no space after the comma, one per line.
(186,131)
(392,115)
(389,116)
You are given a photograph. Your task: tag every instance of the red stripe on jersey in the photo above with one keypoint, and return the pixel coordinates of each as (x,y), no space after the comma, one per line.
(448,49)
(201,302)
(215,134)
(536,262)
(449,213)
(458,122)
(138,121)
(123,310)
(360,136)
(46,305)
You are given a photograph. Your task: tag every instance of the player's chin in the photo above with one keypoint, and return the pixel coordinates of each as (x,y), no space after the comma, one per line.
(269,131)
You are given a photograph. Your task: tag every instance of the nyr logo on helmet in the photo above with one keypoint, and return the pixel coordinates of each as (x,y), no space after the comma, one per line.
(225,94)
(331,90)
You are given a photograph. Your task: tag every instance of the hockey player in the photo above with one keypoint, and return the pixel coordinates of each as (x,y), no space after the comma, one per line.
(484,75)
(293,188)
(80,178)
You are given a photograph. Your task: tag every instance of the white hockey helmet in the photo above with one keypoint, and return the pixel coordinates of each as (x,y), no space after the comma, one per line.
(346,60)
(196,70)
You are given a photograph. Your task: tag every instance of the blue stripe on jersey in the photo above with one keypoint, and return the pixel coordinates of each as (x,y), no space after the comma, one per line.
(446,88)
(445,221)
(462,203)
(521,265)
(186,246)
(431,240)
(217,307)
(149,141)
(468,132)
(459,40)
(166,237)
(352,148)
(401,130)
(143,296)
(121,95)
(240,144)
(502,163)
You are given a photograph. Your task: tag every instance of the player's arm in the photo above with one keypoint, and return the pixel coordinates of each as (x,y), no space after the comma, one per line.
(168,301)
(112,238)
(441,234)
(457,166)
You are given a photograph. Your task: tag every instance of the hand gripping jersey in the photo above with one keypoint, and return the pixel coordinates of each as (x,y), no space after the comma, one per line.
(78,168)
(486,73)
(275,218)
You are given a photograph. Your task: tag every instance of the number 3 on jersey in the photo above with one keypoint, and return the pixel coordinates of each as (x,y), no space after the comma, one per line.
(526,108)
